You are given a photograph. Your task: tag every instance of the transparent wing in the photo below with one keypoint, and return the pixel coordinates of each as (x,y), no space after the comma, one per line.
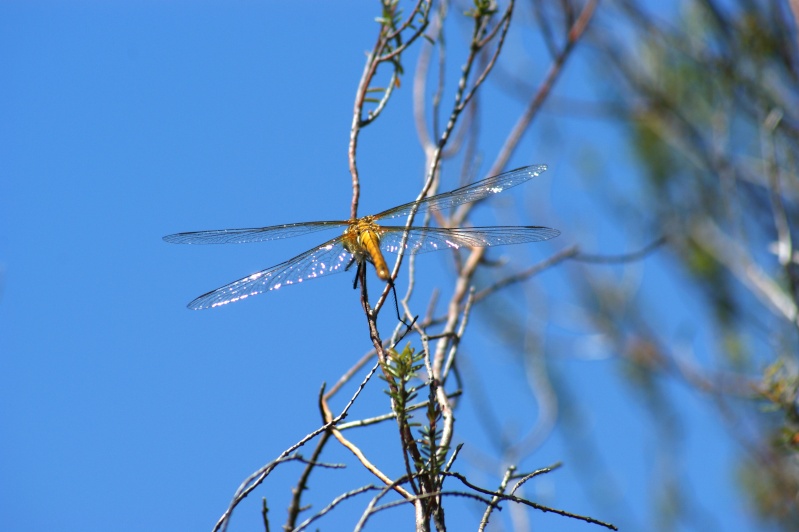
(424,239)
(330,257)
(259,234)
(469,193)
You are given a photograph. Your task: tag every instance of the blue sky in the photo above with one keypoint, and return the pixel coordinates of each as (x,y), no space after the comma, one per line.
(123,410)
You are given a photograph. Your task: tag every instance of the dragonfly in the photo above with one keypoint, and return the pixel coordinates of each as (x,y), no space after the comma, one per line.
(365,239)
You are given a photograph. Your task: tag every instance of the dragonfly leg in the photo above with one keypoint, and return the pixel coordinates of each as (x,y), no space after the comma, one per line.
(407,325)
(360,273)
(357,271)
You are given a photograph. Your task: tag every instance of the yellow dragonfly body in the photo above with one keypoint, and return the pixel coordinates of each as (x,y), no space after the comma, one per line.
(365,240)
(361,238)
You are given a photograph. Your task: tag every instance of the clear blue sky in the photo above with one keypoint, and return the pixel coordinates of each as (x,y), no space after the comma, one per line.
(122,410)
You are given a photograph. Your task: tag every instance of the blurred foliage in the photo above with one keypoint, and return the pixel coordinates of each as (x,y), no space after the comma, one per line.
(772,480)
(711,100)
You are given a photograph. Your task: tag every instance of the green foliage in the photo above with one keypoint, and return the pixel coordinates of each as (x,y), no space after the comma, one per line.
(391,15)
(713,279)
(430,436)
(769,487)
(780,388)
(710,102)
(398,370)
(650,147)
(482,8)
(702,89)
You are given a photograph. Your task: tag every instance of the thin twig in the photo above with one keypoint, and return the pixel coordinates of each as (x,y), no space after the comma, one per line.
(736,259)
(386,417)
(456,338)
(392,56)
(373,502)
(464,494)
(569,253)
(575,33)
(495,500)
(374,59)
(354,448)
(620,258)
(256,478)
(531,504)
(408,442)
(344,496)
(534,474)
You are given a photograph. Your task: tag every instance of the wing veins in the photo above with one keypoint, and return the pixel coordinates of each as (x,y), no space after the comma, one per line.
(425,239)
(467,194)
(322,257)
(256,234)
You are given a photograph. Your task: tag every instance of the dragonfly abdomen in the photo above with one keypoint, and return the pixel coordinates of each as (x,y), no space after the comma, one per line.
(370,240)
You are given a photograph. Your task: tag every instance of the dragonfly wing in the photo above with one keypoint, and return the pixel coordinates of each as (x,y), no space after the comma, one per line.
(258,234)
(330,257)
(424,239)
(469,193)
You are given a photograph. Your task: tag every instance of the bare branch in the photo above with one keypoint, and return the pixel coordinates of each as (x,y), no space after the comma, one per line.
(495,500)
(508,497)
(344,496)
